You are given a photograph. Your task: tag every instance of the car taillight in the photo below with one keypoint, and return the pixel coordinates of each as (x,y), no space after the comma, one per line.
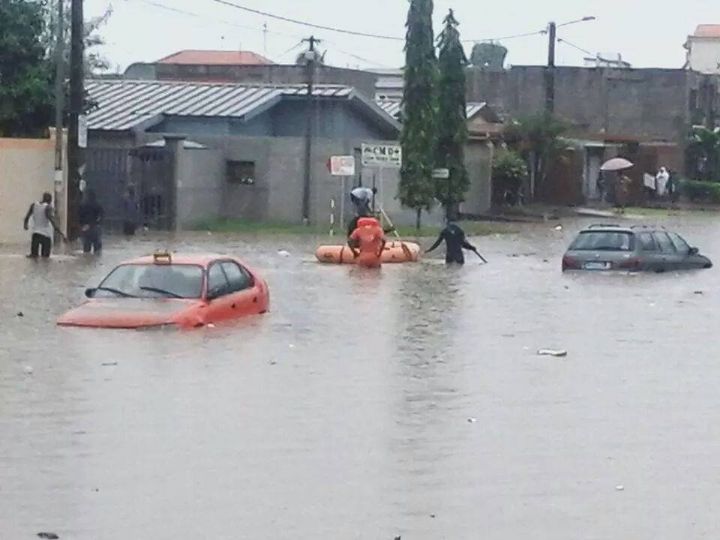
(570,263)
(630,264)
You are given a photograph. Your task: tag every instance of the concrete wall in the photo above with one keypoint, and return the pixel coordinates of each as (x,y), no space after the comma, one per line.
(200,185)
(632,103)
(478,162)
(362,81)
(704,55)
(27,169)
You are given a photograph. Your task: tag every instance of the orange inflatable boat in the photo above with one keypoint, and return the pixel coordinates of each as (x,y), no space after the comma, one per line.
(394,252)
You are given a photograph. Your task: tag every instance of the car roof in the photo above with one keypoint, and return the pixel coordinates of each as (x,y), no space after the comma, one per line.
(632,229)
(199,259)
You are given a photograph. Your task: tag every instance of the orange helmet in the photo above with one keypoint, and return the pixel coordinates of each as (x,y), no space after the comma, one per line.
(368,222)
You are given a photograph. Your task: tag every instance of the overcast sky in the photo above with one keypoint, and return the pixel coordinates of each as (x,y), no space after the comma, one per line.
(648,33)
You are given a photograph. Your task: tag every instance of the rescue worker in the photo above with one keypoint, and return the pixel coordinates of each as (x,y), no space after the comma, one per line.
(455,241)
(367,242)
(362,198)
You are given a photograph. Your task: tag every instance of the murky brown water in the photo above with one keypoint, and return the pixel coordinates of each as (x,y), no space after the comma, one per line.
(344,412)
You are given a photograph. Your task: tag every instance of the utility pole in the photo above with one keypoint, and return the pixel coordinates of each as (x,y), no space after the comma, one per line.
(550,70)
(265,33)
(77,94)
(59,91)
(310,66)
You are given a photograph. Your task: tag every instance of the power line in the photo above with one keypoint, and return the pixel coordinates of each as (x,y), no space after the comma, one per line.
(584,51)
(505,38)
(305,23)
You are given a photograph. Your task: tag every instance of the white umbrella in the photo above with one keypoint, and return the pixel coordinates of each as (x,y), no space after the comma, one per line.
(616,164)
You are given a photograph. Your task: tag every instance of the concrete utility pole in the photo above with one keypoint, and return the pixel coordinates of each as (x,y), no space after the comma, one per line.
(550,70)
(76,156)
(310,65)
(59,98)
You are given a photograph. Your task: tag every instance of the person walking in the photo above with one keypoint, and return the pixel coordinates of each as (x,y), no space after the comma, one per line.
(622,191)
(455,242)
(90,217)
(131,212)
(43,225)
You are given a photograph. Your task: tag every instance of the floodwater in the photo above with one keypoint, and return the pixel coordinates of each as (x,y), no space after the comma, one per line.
(408,402)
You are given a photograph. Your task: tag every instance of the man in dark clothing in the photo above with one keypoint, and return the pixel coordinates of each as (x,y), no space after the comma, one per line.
(455,241)
(90,217)
(131,212)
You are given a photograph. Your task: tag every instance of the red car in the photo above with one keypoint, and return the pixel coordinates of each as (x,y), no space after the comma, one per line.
(164,290)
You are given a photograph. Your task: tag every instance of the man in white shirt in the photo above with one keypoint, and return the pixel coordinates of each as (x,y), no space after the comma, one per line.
(43,225)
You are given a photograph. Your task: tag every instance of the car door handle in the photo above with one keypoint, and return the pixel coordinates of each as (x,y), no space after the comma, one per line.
(255,300)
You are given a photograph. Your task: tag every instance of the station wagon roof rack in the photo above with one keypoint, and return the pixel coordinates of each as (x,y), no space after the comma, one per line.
(604,225)
(657,227)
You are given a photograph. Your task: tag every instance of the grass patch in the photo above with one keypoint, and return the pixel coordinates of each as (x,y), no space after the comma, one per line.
(237,226)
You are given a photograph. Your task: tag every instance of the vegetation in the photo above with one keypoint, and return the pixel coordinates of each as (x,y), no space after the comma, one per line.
(700,191)
(488,56)
(419,105)
(452,119)
(26,96)
(538,140)
(509,171)
(703,153)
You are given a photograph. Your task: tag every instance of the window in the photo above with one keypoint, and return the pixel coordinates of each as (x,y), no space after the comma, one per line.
(680,245)
(217,281)
(241,172)
(153,281)
(666,244)
(647,242)
(603,241)
(237,276)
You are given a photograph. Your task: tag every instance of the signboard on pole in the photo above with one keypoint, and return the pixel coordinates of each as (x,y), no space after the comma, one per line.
(387,156)
(342,165)
(82,131)
(442,174)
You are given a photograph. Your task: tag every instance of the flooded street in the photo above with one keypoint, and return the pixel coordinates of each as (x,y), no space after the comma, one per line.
(408,402)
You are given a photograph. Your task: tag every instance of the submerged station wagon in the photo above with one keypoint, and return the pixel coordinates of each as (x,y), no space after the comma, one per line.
(638,248)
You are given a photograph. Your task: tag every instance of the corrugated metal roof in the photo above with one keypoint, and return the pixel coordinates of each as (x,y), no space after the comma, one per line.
(124,104)
(393,108)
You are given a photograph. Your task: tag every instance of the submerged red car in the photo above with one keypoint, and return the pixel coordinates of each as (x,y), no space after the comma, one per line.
(164,290)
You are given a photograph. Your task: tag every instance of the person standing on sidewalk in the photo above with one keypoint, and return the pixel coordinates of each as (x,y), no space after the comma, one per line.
(43,224)
(90,217)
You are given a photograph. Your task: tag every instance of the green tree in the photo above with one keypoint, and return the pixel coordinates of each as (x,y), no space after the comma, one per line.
(418,133)
(509,171)
(539,140)
(488,55)
(452,119)
(25,76)
(703,153)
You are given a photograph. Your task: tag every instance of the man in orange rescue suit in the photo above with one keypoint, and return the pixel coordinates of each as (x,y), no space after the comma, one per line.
(367,242)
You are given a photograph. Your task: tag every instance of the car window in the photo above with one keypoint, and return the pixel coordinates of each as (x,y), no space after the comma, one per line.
(604,241)
(217,281)
(647,242)
(238,277)
(153,281)
(680,244)
(665,243)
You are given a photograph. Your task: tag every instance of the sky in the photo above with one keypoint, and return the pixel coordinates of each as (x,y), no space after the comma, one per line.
(648,33)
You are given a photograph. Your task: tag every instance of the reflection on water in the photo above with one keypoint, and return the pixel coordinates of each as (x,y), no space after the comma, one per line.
(368,404)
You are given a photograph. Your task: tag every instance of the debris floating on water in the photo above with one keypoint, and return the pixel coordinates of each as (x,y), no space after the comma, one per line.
(620,488)
(552,352)
(472,420)
(48,535)
(698,292)
(20,314)
(211,325)
(29,370)
(559,228)
(284,253)
(108,364)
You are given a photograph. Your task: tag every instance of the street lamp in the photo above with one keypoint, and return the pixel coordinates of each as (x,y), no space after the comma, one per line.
(550,72)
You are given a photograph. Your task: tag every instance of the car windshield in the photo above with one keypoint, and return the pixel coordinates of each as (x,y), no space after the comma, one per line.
(153,281)
(603,241)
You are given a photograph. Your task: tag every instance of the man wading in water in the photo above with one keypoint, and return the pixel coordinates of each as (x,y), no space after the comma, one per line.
(455,241)
(43,224)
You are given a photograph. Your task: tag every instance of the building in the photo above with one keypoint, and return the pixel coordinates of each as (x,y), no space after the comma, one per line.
(703,49)
(215,58)
(201,151)
(390,84)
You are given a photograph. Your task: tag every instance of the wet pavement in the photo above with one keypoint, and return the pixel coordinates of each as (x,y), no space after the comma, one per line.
(408,402)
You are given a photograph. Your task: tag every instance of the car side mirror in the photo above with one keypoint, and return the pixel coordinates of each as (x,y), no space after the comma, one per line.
(90,293)
(693,251)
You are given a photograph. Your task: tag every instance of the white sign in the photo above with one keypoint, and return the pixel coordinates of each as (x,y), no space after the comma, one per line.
(382,155)
(442,174)
(82,131)
(342,165)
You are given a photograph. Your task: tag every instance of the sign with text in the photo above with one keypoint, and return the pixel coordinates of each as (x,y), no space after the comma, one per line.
(382,155)
(442,174)
(82,131)
(342,165)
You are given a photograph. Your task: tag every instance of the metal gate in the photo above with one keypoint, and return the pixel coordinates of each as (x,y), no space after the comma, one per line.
(148,173)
